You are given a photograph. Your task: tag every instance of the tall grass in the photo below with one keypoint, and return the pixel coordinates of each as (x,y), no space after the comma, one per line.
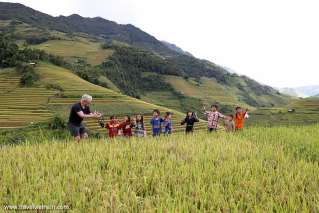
(258,170)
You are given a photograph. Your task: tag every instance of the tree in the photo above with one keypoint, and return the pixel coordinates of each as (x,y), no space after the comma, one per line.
(9,53)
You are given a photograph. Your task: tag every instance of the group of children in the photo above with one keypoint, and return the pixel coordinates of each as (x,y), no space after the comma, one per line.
(136,126)
(232,123)
(129,127)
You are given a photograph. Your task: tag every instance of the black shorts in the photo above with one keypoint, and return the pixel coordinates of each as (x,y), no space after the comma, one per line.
(77,130)
(189,129)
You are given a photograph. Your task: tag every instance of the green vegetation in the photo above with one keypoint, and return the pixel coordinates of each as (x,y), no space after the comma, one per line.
(34,133)
(258,170)
(126,67)
(57,123)
(29,76)
(54,87)
(9,54)
(36,40)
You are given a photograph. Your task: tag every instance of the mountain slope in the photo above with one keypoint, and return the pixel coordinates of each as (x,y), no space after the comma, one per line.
(121,57)
(74,23)
(176,48)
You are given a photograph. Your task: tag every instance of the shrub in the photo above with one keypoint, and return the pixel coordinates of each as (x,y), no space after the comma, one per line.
(57,122)
(29,76)
(106,45)
(16,139)
(36,40)
(54,87)
(23,68)
(28,79)
(9,53)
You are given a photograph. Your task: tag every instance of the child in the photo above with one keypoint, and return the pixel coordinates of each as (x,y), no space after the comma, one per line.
(229,123)
(113,126)
(126,127)
(240,117)
(140,130)
(167,123)
(156,123)
(190,119)
(213,117)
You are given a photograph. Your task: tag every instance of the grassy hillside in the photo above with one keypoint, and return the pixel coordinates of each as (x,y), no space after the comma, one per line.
(55,92)
(258,170)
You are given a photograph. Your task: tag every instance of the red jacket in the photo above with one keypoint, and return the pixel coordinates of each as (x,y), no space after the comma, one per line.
(113,127)
(127,128)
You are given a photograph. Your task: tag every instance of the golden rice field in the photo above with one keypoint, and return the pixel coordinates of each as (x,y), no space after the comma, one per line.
(21,106)
(257,170)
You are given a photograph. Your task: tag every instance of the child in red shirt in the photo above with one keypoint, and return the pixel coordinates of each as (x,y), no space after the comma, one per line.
(113,126)
(127,126)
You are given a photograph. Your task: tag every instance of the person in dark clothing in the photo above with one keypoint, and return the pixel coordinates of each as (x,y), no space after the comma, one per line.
(78,112)
(190,120)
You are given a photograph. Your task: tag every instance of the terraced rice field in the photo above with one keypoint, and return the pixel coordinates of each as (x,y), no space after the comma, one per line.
(207,90)
(22,106)
(306,112)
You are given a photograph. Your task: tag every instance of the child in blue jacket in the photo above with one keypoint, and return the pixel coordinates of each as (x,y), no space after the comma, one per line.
(167,124)
(156,123)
